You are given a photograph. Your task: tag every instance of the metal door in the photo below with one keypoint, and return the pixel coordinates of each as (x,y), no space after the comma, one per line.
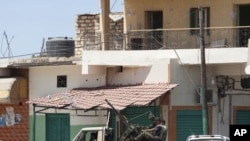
(189,122)
(57,127)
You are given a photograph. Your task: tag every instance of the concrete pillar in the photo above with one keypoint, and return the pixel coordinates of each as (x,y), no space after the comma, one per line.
(247,68)
(105,23)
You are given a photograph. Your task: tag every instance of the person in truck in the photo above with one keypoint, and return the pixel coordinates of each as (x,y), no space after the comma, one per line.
(152,134)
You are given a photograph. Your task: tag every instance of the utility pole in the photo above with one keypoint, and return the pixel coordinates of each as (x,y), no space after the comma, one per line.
(203,74)
(105,24)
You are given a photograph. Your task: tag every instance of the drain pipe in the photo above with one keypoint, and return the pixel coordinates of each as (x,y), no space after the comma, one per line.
(230,109)
(34,123)
(219,114)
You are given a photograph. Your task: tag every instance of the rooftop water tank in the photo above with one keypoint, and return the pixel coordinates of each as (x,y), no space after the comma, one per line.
(60,47)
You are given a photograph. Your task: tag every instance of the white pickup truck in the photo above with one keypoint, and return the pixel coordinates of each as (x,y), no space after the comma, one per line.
(94,134)
(207,138)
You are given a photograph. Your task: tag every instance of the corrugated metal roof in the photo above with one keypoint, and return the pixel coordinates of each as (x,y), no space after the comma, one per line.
(119,96)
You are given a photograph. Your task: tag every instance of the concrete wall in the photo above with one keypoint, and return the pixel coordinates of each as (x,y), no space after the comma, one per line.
(43,82)
(144,58)
(4,63)
(43,79)
(157,73)
(189,77)
(127,67)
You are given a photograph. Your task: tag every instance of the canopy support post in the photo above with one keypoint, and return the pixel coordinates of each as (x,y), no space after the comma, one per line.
(34,123)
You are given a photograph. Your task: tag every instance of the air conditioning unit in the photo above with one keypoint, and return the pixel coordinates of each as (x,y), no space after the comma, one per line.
(209,95)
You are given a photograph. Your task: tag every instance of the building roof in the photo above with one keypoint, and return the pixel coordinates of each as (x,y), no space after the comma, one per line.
(44,61)
(119,96)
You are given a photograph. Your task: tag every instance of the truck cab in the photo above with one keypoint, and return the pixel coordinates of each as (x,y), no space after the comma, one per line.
(94,134)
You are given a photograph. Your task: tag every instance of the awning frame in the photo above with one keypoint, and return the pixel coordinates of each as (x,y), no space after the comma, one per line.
(90,98)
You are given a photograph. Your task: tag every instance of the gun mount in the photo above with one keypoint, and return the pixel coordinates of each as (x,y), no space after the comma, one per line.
(131,130)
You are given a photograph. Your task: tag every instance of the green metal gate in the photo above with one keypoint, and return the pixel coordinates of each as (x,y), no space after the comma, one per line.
(57,127)
(189,122)
(243,117)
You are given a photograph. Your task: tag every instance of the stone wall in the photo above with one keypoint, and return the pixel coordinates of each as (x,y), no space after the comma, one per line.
(88,34)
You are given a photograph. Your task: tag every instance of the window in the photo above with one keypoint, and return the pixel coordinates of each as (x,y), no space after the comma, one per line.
(61,81)
(194,20)
(154,20)
(244,33)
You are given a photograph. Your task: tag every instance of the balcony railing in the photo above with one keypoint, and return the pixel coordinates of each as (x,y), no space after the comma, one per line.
(183,38)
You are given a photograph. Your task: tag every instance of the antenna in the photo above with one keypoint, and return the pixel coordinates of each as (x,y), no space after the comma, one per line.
(8,49)
(42,48)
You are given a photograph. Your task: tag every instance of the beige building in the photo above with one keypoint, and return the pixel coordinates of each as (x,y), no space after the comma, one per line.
(171,25)
(164,37)
(174,17)
(166,24)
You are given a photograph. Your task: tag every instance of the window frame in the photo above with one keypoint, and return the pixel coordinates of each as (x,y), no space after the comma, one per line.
(60,83)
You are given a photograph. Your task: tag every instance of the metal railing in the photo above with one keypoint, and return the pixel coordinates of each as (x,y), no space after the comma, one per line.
(182,38)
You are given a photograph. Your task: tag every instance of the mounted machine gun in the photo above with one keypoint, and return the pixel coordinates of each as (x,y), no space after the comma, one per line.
(131,130)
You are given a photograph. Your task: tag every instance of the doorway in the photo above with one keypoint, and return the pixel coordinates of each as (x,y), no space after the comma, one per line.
(154,20)
(244,20)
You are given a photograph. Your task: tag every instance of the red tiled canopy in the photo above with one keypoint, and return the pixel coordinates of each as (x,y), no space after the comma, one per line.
(119,96)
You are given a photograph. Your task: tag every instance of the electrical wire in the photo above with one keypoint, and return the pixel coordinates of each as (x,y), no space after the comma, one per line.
(2,46)
(8,49)
(36,53)
(113,5)
(19,55)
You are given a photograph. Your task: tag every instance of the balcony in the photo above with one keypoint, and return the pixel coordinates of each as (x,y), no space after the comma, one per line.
(182,38)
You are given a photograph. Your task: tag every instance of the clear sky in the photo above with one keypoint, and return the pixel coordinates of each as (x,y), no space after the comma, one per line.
(27,22)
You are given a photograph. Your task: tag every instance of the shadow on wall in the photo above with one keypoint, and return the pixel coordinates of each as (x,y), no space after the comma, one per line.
(120,75)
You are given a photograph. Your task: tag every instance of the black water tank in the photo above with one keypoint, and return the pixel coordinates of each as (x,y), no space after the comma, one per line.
(60,47)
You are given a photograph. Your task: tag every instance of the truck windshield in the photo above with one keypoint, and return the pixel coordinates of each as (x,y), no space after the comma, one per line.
(86,136)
